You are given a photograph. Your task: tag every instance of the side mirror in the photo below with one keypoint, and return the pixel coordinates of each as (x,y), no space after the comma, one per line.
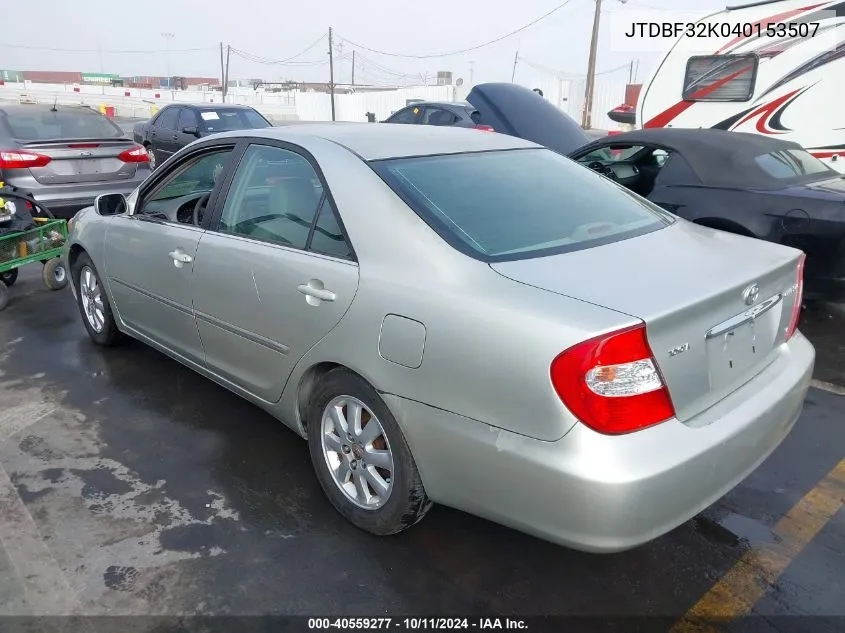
(193,130)
(110,204)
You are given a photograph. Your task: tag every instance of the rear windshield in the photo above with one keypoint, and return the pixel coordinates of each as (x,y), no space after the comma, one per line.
(64,124)
(791,164)
(224,119)
(517,204)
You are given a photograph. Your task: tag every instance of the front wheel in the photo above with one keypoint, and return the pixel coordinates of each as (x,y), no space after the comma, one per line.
(361,457)
(93,303)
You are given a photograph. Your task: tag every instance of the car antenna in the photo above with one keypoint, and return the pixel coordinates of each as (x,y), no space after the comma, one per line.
(55,103)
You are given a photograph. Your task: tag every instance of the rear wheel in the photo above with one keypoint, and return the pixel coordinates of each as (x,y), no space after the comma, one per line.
(54,274)
(4,295)
(93,303)
(9,277)
(361,458)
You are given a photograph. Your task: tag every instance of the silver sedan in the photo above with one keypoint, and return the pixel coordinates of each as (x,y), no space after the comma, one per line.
(459,317)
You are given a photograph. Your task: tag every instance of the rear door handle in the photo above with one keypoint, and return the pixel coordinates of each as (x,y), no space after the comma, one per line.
(180,258)
(315,292)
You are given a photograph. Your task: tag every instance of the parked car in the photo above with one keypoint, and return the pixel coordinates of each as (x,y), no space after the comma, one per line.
(67,155)
(749,184)
(177,125)
(461,318)
(445,113)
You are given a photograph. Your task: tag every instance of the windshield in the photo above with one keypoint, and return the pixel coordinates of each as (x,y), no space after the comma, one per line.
(516,204)
(64,124)
(223,120)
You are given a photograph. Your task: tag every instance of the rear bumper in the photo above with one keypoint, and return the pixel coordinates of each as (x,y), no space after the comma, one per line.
(599,493)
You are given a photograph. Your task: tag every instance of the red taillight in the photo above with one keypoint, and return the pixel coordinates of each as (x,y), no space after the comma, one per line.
(484,128)
(137,154)
(20,159)
(799,299)
(612,384)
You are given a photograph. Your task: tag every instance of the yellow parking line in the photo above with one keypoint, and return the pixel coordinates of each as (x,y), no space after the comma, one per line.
(759,568)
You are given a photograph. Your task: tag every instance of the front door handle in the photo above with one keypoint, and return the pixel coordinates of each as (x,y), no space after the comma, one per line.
(315,292)
(180,258)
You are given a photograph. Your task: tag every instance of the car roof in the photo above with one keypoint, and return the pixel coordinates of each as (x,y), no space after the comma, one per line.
(448,104)
(218,106)
(376,141)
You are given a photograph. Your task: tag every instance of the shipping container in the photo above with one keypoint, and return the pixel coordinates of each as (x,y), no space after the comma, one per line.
(11,76)
(52,76)
(98,78)
(202,81)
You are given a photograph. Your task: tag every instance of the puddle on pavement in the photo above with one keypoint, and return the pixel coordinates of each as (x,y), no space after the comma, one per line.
(734,529)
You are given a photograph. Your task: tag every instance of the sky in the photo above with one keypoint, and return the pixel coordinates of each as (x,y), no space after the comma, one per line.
(133,38)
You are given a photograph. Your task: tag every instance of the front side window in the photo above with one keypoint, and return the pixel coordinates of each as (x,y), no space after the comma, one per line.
(274,197)
(516,204)
(720,78)
(188,118)
(406,116)
(187,183)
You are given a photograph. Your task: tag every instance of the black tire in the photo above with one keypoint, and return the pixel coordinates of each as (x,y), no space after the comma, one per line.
(54,274)
(4,295)
(408,502)
(109,335)
(9,277)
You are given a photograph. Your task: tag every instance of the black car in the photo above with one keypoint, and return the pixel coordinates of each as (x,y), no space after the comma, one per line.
(177,125)
(749,184)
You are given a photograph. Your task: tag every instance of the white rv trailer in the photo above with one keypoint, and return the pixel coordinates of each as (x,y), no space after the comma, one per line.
(772,68)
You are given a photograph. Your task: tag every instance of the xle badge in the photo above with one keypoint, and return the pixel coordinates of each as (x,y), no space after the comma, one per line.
(679,349)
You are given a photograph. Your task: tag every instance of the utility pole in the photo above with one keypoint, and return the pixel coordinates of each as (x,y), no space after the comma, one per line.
(587,119)
(515,61)
(222,76)
(228,56)
(631,73)
(471,73)
(353,67)
(331,72)
(167,37)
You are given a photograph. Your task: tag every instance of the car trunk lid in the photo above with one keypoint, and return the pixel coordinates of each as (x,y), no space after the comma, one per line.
(716,305)
(80,161)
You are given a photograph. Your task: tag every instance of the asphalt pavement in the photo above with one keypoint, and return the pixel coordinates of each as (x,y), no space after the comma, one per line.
(130,485)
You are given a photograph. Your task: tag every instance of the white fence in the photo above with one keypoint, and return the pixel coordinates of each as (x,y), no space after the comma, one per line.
(568,95)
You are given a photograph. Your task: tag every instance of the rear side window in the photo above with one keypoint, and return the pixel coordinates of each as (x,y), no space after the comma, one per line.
(167,119)
(64,124)
(720,78)
(517,204)
(790,164)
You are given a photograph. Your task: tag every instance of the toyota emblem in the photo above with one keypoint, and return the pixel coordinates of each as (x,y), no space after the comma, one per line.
(751,294)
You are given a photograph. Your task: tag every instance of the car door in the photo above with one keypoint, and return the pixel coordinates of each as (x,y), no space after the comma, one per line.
(275,274)
(149,252)
(164,127)
(188,119)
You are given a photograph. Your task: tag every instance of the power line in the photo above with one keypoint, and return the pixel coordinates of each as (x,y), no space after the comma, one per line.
(464,50)
(98,50)
(566,75)
(286,61)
